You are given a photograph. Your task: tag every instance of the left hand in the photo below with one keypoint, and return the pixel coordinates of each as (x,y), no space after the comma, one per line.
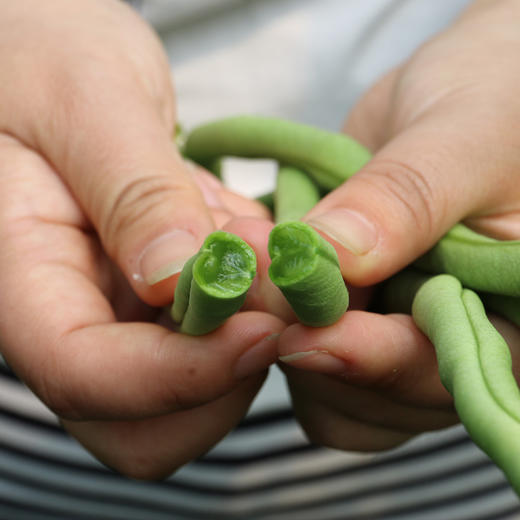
(148,448)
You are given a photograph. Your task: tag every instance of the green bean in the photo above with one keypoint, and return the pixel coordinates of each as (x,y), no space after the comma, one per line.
(306,269)
(329,158)
(475,366)
(295,194)
(479,262)
(213,284)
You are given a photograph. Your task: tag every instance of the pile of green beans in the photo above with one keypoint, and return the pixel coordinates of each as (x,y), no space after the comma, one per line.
(474,360)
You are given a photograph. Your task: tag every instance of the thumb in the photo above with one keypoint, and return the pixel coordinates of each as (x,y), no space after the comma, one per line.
(136,191)
(422,181)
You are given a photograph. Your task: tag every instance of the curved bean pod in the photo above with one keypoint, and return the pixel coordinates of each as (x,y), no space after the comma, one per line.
(329,158)
(306,269)
(213,284)
(475,367)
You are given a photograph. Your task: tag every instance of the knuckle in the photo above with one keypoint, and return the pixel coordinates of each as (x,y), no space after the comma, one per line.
(411,189)
(136,200)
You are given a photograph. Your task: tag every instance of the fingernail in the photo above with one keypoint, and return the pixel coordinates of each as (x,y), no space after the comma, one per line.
(257,358)
(347,227)
(316,360)
(166,256)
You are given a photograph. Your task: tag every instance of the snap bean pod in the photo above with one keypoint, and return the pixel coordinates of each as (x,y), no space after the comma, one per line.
(295,194)
(306,269)
(213,284)
(479,262)
(475,366)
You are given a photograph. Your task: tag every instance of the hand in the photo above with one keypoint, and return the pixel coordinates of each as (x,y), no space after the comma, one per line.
(97,212)
(444,131)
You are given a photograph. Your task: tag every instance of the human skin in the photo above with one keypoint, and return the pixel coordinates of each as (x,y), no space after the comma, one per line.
(445,134)
(98,212)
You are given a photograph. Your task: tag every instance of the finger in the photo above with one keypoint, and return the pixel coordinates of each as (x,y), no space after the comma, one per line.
(128,371)
(110,141)
(153,448)
(366,405)
(148,212)
(224,204)
(429,176)
(211,189)
(327,427)
(386,353)
(502,226)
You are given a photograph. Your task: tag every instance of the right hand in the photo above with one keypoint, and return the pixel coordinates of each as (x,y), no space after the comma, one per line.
(444,131)
(97,213)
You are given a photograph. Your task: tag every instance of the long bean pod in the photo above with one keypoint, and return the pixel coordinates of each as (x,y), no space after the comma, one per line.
(213,284)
